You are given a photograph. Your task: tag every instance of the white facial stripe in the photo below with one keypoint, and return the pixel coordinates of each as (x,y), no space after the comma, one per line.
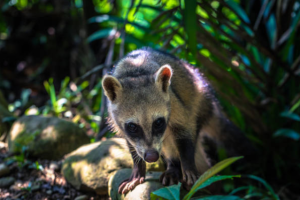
(132,120)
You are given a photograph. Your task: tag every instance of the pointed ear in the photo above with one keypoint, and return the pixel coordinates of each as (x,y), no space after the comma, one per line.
(163,77)
(112,87)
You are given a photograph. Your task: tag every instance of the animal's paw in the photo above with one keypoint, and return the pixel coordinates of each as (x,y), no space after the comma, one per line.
(130,184)
(189,177)
(170,177)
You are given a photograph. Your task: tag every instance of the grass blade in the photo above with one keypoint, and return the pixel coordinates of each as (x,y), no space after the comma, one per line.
(274,195)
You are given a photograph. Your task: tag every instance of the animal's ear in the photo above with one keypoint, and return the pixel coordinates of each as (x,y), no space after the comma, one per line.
(163,77)
(112,87)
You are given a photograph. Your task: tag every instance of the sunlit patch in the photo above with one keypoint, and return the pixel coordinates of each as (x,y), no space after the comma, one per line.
(137,61)
(235,63)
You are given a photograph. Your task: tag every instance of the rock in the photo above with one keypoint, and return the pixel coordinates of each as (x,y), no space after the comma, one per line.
(141,191)
(35,186)
(4,170)
(4,113)
(82,197)
(49,192)
(55,166)
(16,186)
(90,166)
(45,137)
(6,182)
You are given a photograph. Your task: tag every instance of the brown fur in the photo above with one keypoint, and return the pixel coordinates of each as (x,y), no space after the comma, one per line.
(148,84)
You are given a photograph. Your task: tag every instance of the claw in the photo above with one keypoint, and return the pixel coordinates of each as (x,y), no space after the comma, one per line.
(129,185)
(170,177)
(189,178)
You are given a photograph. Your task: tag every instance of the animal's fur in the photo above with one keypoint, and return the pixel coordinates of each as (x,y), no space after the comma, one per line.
(147,85)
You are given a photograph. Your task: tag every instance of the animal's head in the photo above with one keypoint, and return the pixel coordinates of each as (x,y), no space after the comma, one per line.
(140,107)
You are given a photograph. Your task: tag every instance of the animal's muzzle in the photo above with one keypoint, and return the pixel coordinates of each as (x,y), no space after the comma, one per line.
(151,156)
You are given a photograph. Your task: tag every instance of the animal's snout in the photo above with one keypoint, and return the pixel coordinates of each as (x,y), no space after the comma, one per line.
(151,156)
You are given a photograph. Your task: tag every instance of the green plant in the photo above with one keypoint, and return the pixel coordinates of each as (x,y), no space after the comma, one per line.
(173,192)
(209,177)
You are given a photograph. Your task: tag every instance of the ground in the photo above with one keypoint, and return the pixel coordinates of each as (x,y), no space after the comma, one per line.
(39,180)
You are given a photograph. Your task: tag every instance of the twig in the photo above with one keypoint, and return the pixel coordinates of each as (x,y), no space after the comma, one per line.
(103,109)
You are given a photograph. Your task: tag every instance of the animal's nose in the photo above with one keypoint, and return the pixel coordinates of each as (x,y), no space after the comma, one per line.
(151,156)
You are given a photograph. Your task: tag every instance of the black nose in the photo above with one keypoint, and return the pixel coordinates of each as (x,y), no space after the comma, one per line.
(151,156)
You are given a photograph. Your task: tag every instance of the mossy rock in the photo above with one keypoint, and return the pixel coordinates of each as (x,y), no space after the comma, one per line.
(45,137)
(141,191)
(90,167)
(4,126)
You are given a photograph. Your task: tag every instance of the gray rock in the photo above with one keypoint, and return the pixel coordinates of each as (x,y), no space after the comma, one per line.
(16,186)
(55,166)
(4,170)
(6,182)
(90,166)
(45,137)
(141,191)
(82,197)
(49,192)
(4,113)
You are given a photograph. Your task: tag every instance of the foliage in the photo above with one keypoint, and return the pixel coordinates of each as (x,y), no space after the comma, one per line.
(249,50)
(173,192)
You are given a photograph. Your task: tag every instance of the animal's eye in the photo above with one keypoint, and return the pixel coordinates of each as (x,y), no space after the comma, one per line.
(131,127)
(159,123)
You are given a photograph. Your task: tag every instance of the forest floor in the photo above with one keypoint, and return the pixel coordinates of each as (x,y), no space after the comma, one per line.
(39,180)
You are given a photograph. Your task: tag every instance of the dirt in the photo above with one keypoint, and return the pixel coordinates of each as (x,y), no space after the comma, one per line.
(38,180)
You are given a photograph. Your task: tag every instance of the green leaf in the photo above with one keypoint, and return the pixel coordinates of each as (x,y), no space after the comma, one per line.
(239,10)
(103,18)
(274,195)
(295,106)
(290,115)
(169,193)
(215,179)
(190,23)
(289,133)
(293,29)
(101,34)
(209,173)
(218,197)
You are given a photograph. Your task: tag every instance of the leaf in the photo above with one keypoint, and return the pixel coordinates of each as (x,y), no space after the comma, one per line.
(190,23)
(235,7)
(8,119)
(289,133)
(169,193)
(103,18)
(218,197)
(295,106)
(292,29)
(101,34)
(274,195)
(209,173)
(290,115)
(215,179)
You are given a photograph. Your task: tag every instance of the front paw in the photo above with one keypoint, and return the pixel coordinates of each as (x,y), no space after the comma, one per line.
(170,177)
(189,177)
(130,184)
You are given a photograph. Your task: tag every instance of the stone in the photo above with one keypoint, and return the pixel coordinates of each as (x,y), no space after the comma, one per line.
(4,126)
(6,182)
(90,166)
(55,166)
(16,186)
(4,170)
(141,191)
(82,197)
(45,137)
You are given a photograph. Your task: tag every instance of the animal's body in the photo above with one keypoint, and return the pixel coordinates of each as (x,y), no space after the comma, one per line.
(163,106)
